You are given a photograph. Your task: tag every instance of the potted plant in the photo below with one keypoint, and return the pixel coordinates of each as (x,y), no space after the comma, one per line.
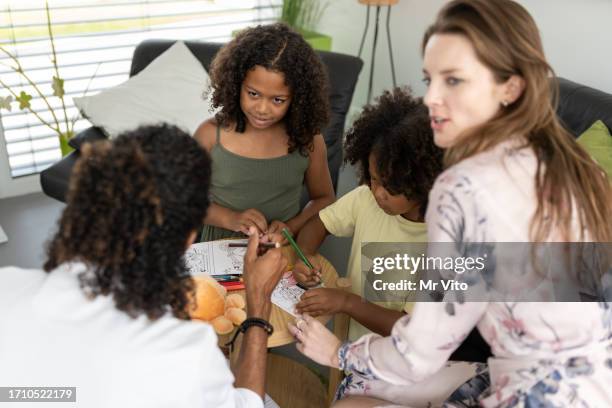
(60,123)
(303,16)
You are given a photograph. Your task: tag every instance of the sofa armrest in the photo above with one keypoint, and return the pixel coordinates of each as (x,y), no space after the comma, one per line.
(580,106)
(90,134)
(55,179)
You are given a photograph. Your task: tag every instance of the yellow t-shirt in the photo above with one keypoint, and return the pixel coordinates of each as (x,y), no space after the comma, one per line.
(357,213)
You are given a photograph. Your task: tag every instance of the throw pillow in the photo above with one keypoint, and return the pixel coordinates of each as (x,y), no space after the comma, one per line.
(597,141)
(170,89)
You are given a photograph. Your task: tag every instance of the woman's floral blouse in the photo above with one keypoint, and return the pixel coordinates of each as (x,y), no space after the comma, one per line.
(547,354)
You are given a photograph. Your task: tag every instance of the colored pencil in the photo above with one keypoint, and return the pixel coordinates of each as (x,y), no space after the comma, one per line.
(261,244)
(228,278)
(296,248)
(221,280)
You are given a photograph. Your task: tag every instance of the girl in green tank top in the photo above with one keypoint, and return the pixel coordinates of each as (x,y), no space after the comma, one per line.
(265,140)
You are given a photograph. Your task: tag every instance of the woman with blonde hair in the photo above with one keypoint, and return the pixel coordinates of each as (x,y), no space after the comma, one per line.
(514,174)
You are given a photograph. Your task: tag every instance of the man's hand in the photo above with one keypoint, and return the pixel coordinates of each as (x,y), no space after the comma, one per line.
(261,274)
(306,276)
(315,341)
(242,221)
(274,232)
(322,301)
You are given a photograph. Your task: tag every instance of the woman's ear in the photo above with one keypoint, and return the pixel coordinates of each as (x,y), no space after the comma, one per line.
(515,85)
(191,238)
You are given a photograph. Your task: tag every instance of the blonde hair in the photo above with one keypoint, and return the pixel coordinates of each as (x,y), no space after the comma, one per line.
(567,180)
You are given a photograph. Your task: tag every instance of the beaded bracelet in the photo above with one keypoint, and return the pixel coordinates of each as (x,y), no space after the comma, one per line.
(248,323)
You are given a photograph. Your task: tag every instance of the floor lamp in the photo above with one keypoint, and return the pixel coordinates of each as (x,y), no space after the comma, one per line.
(378,4)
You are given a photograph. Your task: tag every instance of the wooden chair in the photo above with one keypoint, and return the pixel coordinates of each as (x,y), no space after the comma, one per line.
(291,384)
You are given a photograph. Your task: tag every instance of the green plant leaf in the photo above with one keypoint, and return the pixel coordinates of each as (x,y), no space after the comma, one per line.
(58,87)
(24,100)
(5,102)
(302,15)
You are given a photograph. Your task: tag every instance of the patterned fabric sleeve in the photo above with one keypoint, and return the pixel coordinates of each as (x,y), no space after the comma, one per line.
(453,213)
(419,344)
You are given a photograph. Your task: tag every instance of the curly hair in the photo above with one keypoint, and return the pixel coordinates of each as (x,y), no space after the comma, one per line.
(277,48)
(397,130)
(131,206)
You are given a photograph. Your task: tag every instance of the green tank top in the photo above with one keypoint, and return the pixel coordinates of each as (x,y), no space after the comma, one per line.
(272,186)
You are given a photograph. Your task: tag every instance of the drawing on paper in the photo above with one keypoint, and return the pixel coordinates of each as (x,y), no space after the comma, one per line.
(287,294)
(215,258)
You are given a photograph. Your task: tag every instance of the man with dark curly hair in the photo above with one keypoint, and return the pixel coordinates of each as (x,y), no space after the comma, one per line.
(110,316)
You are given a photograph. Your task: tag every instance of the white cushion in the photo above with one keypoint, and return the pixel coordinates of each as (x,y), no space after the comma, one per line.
(170,89)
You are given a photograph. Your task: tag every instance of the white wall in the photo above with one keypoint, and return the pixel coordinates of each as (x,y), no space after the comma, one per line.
(10,187)
(576,34)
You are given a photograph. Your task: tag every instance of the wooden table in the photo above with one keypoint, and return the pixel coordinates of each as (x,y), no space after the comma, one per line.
(279,319)
(277,372)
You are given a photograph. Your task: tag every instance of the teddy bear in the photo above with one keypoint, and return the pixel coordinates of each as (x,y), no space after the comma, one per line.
(215,306)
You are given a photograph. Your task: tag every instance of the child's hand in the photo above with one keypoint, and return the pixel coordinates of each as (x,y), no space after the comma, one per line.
(242,221)
(322,301)
(306,276)
(274,232)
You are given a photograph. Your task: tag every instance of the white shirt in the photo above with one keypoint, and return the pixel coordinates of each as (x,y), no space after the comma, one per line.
(52,335)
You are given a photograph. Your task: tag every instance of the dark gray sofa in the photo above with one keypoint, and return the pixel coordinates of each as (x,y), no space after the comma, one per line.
(580,106)
(343,71)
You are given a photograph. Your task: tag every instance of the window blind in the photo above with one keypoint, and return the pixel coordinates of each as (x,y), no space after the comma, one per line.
(94,41)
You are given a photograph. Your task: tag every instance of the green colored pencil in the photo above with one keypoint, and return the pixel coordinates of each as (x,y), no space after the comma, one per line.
(295,246)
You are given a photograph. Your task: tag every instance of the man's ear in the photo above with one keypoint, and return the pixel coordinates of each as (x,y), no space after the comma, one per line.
(515,85)
(191,238)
